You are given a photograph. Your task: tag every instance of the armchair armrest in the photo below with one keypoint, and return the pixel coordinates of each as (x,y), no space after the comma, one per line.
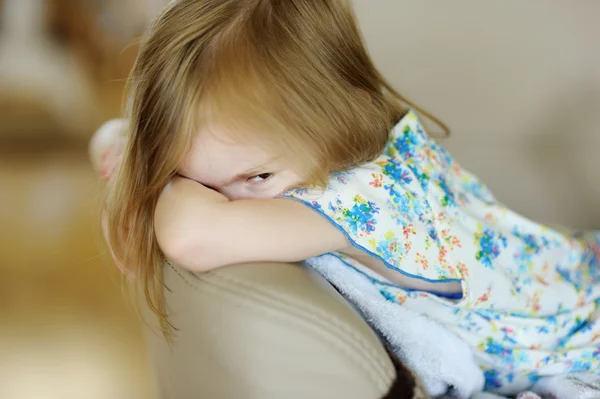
(266,331)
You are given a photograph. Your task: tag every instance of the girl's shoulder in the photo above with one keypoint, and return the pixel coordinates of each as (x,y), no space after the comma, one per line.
(389,188)
(408,162)
(384,206)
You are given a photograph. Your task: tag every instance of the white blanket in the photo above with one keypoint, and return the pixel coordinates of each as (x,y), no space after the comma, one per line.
(443,361)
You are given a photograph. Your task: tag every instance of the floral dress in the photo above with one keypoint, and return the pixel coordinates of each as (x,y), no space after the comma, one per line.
(529,293)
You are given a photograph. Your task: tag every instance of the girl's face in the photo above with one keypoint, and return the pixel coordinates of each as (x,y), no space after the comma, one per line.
(238,171)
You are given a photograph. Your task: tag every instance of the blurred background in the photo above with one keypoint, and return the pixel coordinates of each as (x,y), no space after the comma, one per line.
(518,82)
(66,330)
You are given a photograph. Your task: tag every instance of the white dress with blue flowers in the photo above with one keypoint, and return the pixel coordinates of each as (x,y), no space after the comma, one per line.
(529,293)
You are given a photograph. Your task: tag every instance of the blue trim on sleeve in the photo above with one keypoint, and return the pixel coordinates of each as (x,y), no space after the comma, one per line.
(357,246)
(372,279)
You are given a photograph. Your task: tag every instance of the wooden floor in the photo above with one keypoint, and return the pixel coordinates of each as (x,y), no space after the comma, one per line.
(65,329)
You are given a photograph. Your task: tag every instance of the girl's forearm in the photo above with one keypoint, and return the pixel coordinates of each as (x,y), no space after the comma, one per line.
(200,229)
(183,217)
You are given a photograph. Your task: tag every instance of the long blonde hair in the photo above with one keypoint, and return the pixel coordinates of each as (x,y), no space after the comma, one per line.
(294,74)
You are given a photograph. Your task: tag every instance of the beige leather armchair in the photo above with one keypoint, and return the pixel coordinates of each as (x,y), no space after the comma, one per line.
(268,331)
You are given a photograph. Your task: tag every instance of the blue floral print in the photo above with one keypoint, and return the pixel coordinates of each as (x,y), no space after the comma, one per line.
(530,294)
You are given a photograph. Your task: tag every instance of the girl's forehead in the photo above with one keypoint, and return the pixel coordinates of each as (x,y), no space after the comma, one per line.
(218,144)
(214,158)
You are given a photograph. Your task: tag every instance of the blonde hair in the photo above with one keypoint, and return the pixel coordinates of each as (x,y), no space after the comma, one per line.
(294,74)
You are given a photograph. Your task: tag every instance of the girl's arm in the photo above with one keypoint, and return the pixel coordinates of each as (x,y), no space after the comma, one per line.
(199,229)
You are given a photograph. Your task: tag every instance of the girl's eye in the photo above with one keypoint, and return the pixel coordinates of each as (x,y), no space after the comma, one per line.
(260,178)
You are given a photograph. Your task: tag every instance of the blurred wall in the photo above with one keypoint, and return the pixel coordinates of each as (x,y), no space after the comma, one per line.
(519,84)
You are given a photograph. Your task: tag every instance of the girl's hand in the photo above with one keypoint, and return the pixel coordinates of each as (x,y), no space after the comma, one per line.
(106,150)
(107,146)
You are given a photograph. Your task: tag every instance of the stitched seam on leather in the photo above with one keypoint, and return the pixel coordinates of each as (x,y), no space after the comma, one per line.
(277,311)
(261,292)
(325,320)
(378,379)
(310,310)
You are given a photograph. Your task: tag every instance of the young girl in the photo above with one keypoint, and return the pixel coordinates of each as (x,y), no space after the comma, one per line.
(260,130)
